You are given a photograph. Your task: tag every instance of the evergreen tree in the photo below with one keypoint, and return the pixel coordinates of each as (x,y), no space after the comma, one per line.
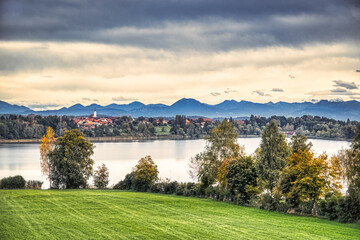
(271,157)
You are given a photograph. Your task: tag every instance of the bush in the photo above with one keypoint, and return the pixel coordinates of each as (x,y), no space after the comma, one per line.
(272,203)
(127,183)
(34,184)
(328,206)
(348,209)
(16,182)
(170,188)
(180,189)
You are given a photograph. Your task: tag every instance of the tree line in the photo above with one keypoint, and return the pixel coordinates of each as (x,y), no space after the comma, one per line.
(34,126)
(279,176)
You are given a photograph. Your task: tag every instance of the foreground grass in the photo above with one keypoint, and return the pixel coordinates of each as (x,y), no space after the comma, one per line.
(93,214)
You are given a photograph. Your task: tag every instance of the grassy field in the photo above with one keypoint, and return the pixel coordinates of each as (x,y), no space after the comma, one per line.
(95,214)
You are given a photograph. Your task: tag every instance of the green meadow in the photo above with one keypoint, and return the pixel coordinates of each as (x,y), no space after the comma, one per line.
(110,214)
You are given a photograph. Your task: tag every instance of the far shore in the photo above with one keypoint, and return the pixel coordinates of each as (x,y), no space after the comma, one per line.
(150,138)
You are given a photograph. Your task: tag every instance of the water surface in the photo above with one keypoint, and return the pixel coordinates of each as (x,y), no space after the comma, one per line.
(171,156)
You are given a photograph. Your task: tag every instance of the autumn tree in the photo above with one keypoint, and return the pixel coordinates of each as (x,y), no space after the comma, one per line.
(146,172)
(271,157)
(314,176)
(70,162)
(46,146)
(101,177)
(221,145)
(297,144)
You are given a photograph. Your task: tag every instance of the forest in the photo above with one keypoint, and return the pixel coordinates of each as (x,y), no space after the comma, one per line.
(34,126)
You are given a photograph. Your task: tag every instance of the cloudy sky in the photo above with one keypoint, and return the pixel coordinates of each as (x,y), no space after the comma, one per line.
(57,53)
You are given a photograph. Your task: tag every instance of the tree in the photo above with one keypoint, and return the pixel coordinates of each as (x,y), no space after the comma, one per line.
(242,178)
(101,177)
(351,163)
(146,172)
(298,142)
(46,146)
(221,146)
(70,161)
(271,157)
(314,176)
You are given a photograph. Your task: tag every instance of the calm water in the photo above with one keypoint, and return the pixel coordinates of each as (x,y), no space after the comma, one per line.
(171,156)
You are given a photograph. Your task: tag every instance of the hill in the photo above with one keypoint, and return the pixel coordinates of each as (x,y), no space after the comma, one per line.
(85,214)
(192,107)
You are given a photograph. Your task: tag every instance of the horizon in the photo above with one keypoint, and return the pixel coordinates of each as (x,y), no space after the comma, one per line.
(55,54)
(146,104)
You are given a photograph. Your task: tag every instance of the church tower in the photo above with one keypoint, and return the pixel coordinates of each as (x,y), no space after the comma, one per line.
(94,112)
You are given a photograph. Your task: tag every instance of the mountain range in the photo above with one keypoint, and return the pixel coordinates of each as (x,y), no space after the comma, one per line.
(341,110)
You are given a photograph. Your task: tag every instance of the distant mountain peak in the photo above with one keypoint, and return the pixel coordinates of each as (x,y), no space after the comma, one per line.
(193,107)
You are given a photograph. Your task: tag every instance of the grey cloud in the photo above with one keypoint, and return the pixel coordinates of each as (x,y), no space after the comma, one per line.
(334,93)
(123,99)
(228,91)
(215,94)
(198,24)
(347,85)
(44,106)
(339,90)
(90,99)
(261,93)
(277,90)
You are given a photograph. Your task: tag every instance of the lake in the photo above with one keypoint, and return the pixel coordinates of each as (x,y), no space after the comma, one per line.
(171,156)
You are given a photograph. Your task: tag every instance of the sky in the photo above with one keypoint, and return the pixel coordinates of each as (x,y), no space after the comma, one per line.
(57,53)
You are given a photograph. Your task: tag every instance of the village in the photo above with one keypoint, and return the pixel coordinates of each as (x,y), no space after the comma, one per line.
(95,120)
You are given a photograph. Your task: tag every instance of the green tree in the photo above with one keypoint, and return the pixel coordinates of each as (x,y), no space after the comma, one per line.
(351,163)
(271,157)
(146,172)
(242,178)
(299,142)
(101,177)
(221,145)
(70,161)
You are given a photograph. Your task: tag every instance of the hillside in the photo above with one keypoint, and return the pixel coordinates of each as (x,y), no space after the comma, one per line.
(84,214)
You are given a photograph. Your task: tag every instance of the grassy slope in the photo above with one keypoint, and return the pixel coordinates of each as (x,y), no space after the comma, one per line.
(92,214)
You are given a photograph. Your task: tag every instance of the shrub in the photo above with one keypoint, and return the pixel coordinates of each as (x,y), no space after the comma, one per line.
(328,206)
(127,183)
(170,188)
(180,189)
(16,182)
(272,203)
(34,184)
(348,209)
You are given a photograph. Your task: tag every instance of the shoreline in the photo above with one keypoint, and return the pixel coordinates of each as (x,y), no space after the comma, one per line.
(150,138)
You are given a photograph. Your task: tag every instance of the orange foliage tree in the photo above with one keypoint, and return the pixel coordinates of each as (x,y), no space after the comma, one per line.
(314,176)
(46,146)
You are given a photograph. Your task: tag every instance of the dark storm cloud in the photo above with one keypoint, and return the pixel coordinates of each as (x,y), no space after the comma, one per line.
(198,24)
